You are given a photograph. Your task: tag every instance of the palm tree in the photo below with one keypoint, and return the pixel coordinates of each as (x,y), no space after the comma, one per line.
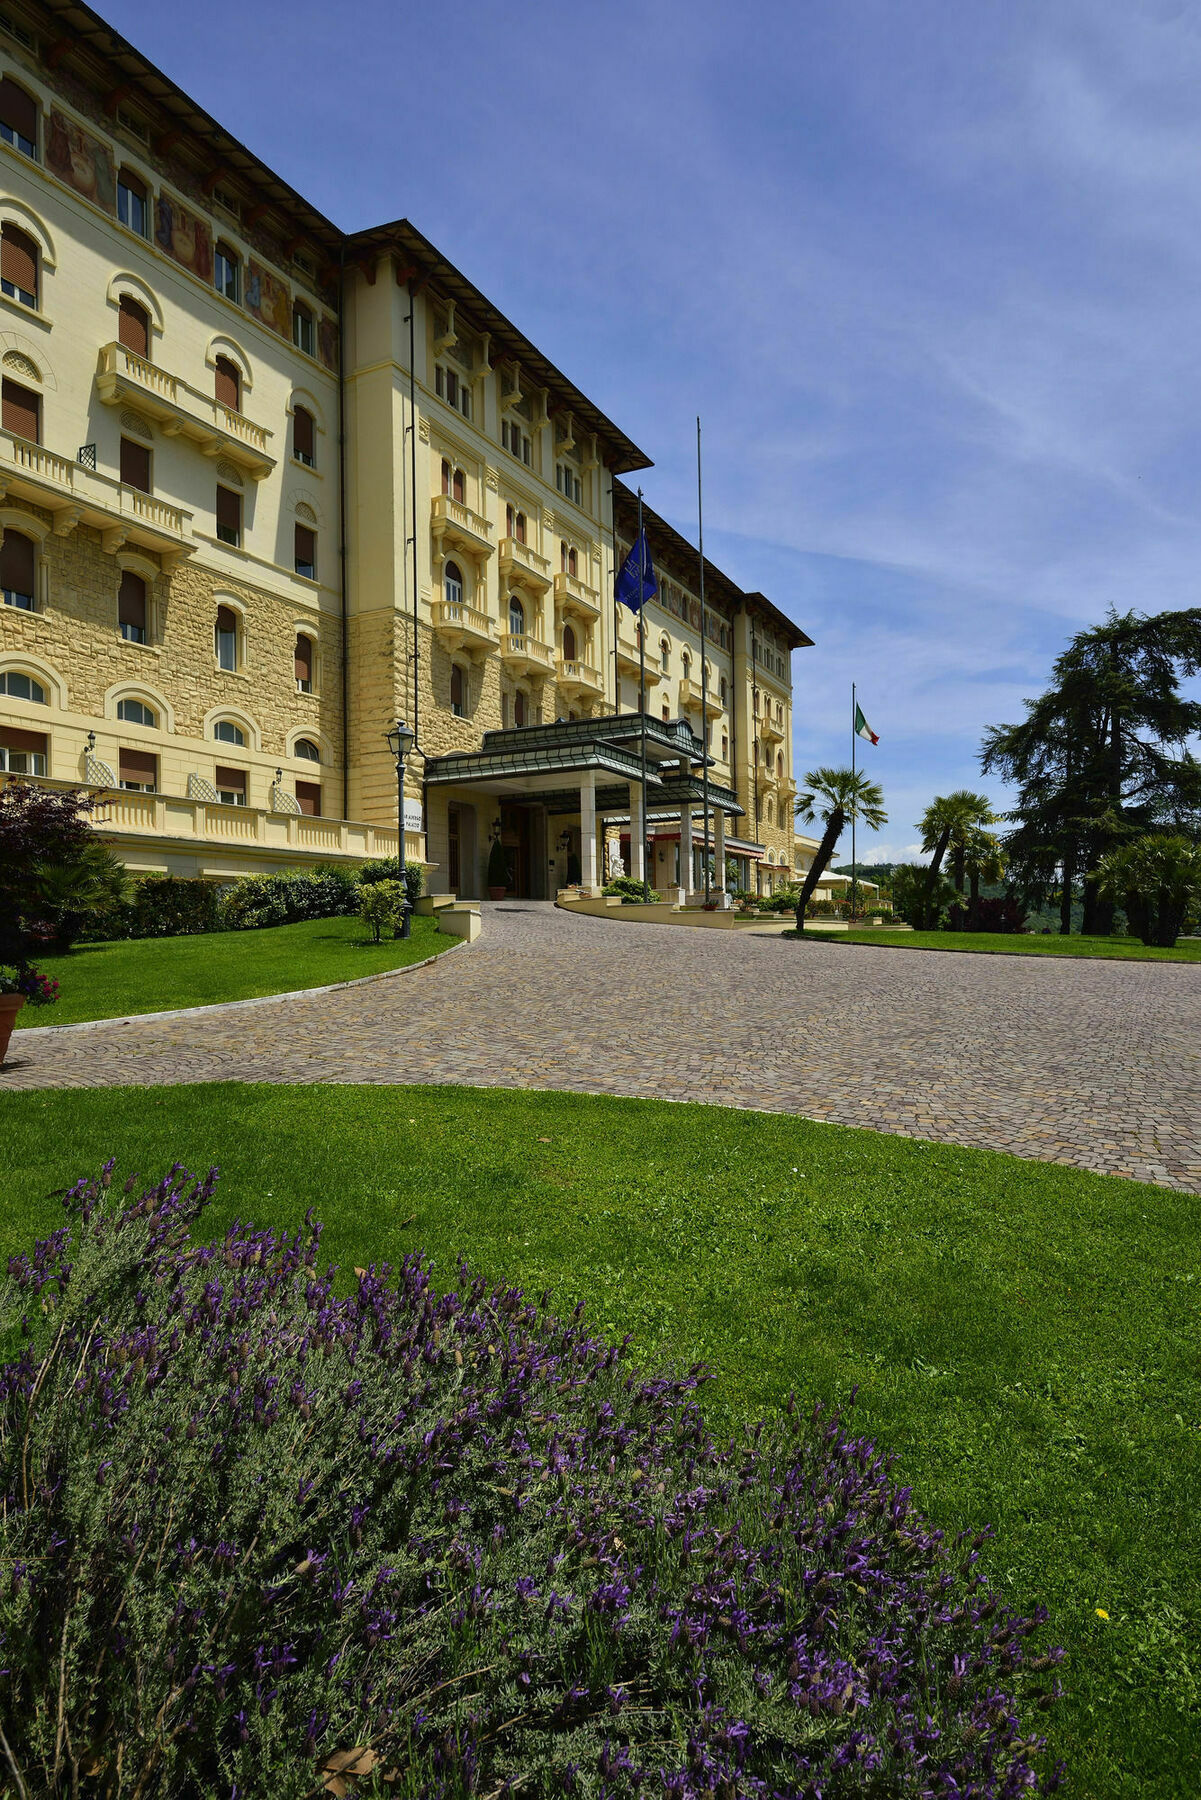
(834,796)
(983,858)
(946,823)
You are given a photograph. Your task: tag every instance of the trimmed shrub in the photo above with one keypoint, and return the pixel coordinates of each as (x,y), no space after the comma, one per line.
(387,868)
(630,890)
(380,904)
(160,906)
(289,898)
(257,1536)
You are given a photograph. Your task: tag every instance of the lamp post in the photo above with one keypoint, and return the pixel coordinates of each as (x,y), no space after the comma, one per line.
(400,741)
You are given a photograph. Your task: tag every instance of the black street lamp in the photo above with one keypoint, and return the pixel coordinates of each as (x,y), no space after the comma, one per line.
(400,741)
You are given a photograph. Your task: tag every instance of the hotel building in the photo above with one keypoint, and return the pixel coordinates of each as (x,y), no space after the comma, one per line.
(266,486)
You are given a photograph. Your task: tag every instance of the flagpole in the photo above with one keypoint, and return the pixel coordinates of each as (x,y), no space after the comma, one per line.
(700,532)
(854,806)
(646,892)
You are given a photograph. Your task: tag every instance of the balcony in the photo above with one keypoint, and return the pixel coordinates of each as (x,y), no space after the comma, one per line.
(525,655)
(462,627)
(575,596)
(453,523)
(578,678)
(627,664)
(183,411)
(770,730)
(690,696)
(75,494)
(520,564)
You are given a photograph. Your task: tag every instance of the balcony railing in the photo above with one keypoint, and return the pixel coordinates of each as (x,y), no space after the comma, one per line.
(458,624)
(74,493)
(453,522)
(771,729)
(574,595)
(182,410)
(526,653)
(521,564)
(627,664)
(579,677)
(690,695)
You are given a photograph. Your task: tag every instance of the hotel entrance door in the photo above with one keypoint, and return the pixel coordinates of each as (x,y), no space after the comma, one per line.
(515,841)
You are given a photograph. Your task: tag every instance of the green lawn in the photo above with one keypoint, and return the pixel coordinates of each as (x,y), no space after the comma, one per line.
(140,975)
(1125,949)
(1025,1336)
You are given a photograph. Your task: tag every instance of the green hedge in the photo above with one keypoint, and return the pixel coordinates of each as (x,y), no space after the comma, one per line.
(172,906)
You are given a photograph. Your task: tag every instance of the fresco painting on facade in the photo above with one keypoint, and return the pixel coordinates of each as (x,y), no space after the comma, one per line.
(184,236)
(81,160)
(267,298)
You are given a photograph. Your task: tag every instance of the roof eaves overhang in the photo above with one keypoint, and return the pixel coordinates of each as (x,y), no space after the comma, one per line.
(428,264)
(471,766)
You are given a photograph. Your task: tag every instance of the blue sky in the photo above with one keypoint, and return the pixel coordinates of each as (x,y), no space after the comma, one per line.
(930,273)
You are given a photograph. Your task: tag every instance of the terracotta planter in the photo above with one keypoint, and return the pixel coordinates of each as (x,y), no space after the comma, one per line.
(10,1006)
(497,893)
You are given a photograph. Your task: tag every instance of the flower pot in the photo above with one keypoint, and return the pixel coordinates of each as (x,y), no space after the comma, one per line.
(10,1006)
(497,893)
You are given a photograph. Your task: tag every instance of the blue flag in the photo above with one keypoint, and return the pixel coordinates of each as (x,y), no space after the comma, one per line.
(636,582)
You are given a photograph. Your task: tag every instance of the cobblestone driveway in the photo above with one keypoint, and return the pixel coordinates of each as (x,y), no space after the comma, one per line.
(1094,1064)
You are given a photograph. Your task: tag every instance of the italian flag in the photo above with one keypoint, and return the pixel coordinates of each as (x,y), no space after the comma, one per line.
(862,728)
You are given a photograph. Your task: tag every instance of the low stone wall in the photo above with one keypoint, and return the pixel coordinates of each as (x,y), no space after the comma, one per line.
(661,912)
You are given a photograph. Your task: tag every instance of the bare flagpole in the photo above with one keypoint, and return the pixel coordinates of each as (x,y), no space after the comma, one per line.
(646,892)
(700,532)
(854,799)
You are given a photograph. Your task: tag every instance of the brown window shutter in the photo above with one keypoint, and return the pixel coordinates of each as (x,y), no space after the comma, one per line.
(131,601)
(304,658)
(18,563)
(302,433)
(133,182)
(138,765)
(229,510)
(19,259)
(135,465)
(234,779)
(306,547)
(133,326)
(21,409)
(229,383)
(308,798)
(18,110)
(13,739)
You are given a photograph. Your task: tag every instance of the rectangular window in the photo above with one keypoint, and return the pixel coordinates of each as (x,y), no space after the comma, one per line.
(231,786)
(302,329)
(306,552)
(225,272)
(229,516)
(133,205)
(18,266)
(18,571)
(21,411)
(303,437)
(138,771)
(303,664)
(515,441)
(135,465)
(308,798)
(133,326)
(131,608)
(18,118)
(22,752)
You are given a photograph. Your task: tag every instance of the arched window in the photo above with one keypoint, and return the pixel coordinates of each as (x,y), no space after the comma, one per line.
(133,202)
(302,658)
(226,270)
(227,381)
(226,732)
(18,118)
(780,766)
(519,708)
(131,608)
(225,633)
(304,334)
(758,752)
(573,561)
(18,265)
(519,528)
(725,748)
(304,437)
(686,665)
(458,486)
(307,750)
(133,325)
(516,616)
(452,584)
(445,476)
(23,687)
(568,644)
(18,571)
(136,712)
(769,813)
(664,654)
(458,691)
(666,713)
(724,692)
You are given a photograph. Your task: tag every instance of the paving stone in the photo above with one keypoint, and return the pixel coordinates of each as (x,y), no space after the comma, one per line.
(1094,1064)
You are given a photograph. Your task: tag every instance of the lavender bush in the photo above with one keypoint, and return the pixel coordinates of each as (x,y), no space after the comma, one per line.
(262,1539)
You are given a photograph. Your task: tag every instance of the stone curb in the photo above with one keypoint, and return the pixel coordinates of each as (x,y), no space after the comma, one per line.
(1183,962)
(193,1012)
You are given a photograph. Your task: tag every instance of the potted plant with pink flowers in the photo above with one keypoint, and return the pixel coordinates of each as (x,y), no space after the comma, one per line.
(20,985)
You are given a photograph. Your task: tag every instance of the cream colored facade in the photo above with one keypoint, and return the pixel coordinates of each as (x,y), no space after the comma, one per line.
(425,519)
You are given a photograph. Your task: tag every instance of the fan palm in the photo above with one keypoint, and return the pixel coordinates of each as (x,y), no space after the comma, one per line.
(946,823)
(835,796)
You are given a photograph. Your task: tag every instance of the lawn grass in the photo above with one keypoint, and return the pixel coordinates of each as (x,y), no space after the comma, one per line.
(1024,1335)
(141,975)
(1003,943)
